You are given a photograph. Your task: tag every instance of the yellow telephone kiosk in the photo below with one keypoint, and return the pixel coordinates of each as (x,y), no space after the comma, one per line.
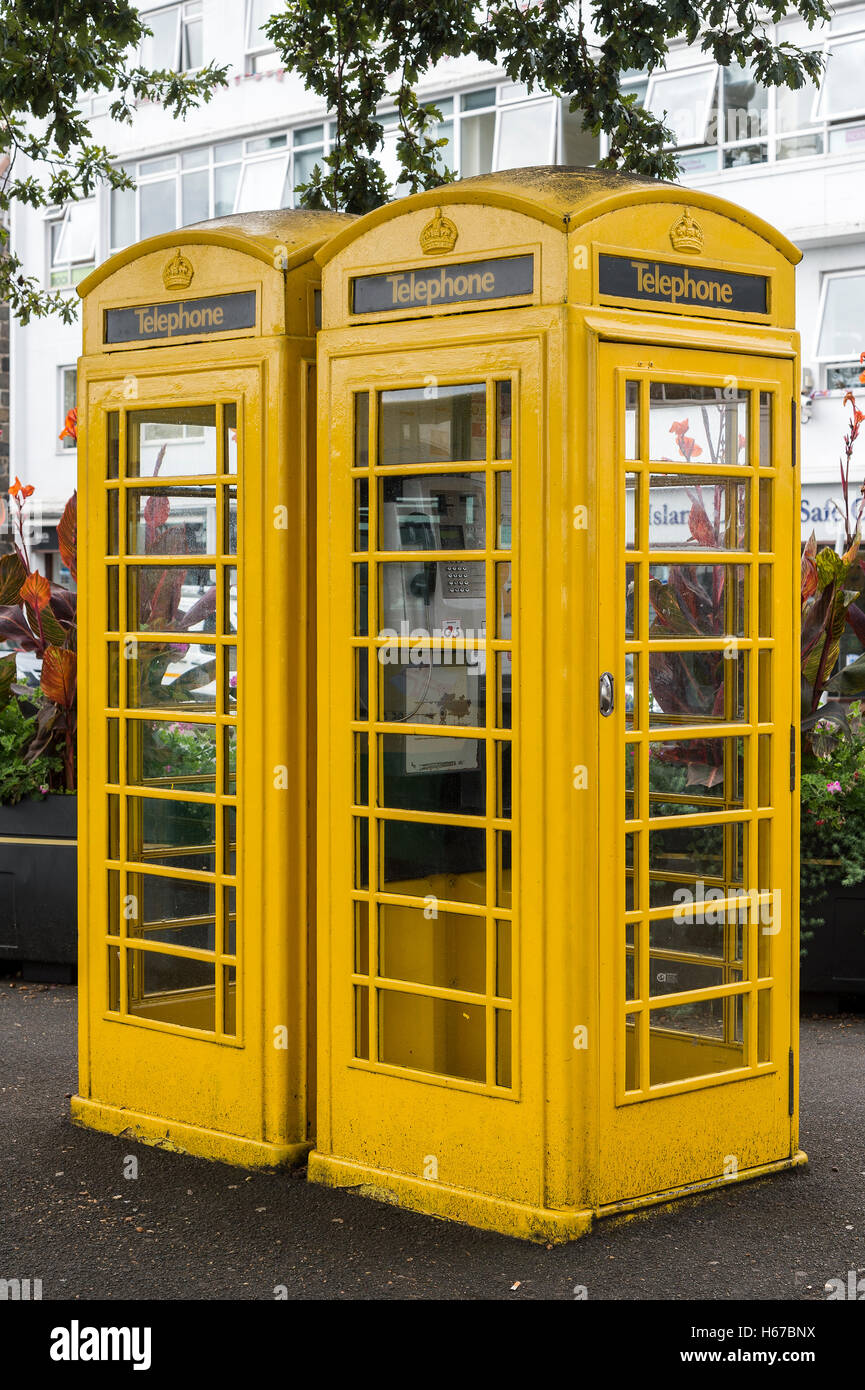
(196,394)
(557,713)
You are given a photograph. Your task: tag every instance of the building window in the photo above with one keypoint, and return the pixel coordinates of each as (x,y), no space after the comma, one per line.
(68,396)
(841,337)
(260,53)
(726,120)
(177,41)
(71,244)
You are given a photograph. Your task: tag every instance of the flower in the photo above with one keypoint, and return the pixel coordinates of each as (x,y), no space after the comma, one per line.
(833,786)
(44,788)
(24,489)
(70,429)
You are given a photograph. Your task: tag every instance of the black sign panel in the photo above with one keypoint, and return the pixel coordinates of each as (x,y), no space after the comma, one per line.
(142,323)
(425,287)
(724,291)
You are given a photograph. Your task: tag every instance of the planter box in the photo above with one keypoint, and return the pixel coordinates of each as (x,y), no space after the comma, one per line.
(39,887)
(835,961)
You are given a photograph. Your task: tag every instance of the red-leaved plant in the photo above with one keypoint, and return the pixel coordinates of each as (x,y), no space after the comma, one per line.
(39,617)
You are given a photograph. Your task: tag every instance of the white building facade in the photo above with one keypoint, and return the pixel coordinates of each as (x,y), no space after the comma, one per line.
(795,158)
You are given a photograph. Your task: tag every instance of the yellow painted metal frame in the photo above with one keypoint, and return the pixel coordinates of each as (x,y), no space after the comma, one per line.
(236,1090)
(543,1162)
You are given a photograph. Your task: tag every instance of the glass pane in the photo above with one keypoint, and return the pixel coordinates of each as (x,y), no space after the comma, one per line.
(443,861)
(230,446)
(746,104)
(229,521)
(174,834)
(841,89)
(171,754)
(703,513)
(504,662)
(171,521)
(173,911)
(696,601)
(448,951)
(844,308)
(172,442)
(696,688)
(504,532)
(182,675)
(225,180)
(444,598)
(766,399)
(682,101)
(432,1035)
(361,1022)
(361,514)
(195,197)
(522,128)
(171,598)
(632,511)
(684,861)
(430,692)
(361,429)
(477,134)
(122,218)
(433,511)
(698,424)
(172,989)
(698,1039)
(504,972)
(503,1047)
(433,773)
(503,419)
(693,775)
(632,606)
(441,424)
(261,184)
(157,203)
(632,420)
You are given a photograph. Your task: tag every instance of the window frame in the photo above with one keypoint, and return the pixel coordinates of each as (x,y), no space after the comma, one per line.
(188,12)
(690,70)
(60,217)
(836,41)
(64,369)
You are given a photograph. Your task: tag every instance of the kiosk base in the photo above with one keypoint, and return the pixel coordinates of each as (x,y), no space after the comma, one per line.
(540,1224)
(184,1138)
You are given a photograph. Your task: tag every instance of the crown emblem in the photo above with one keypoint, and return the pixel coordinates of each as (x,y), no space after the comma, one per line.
(178,273)
(687,235)
(439,236)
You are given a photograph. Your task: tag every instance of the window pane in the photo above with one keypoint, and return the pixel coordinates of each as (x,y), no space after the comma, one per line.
(448,951)
(425,692)
(158,207)
(171,598)
(696,601)
(709,513)
(477,134)
(682,101)
(171,754)
(173,834)
(122,217)
(430,511)
(432,773)
(172,441)
(195,193)
(160,50)
(172,989)
(841,329)
(521,128)
(698,424)
(694,775)
(225,179)
(746,104)
(432,1035)
(172,521)
(261,185)
(842,91)
(77,239)
(696,688)
(447,861)
(446,427)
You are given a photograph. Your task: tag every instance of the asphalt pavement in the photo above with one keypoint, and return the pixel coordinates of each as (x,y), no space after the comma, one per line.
(189,1229)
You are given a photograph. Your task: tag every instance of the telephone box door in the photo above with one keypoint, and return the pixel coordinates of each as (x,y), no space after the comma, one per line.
(698,640)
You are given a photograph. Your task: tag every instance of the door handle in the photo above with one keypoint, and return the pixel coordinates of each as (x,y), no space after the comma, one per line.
(606,694)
